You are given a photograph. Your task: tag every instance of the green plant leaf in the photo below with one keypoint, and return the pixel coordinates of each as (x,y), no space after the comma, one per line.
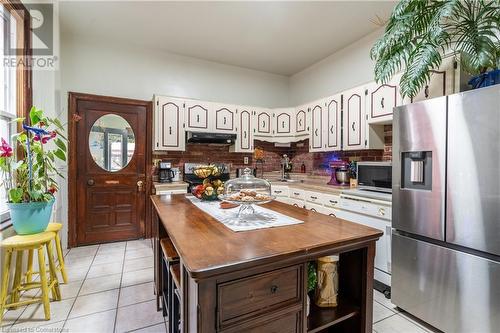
(60,144)
(16,195)
(35,115)
(60,154)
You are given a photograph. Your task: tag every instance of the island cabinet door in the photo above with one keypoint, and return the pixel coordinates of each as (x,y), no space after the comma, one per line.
(301,124)
(197,115)
(224,120)
(244,136)
(262,121)
(316,111)
(354,119)
(331,131)
(169,124)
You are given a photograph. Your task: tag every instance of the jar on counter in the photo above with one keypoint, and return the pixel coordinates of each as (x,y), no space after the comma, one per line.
(328,281)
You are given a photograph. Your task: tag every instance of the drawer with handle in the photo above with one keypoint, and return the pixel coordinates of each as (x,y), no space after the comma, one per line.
(313,197)
(330,200)
(296,202)
(259,294)
(279,191)
(297,194)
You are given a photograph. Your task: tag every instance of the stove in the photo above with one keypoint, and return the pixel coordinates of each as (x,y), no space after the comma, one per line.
(193,180)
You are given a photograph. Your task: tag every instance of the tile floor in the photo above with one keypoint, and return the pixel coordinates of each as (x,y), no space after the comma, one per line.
(111,290)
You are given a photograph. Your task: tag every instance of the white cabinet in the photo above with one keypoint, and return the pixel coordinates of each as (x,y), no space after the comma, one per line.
(223,118)
(332,128)
(244,133)
(382,99)
(354,119)
(262,123)
(197,115)
(168,124)
(284,122)
(316,112)
(301,121)
(279,191)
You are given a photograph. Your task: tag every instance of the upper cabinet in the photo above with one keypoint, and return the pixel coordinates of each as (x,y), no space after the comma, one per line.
(382,99)
(168,124)
(263,123)
(197,115)
(354,119)
(332,129)
(316,113)
(224,118)
(301,121)
(284,122)
(244,135)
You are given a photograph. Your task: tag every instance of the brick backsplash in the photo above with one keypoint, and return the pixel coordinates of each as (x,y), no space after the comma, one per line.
(316,163)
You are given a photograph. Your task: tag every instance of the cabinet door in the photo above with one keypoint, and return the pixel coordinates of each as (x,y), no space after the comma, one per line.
(169,124)
(316,132)
(197,114)
(284,122)
(332,122)
(301,123)
(382,99)
(225,118)
(244,136)
(354,119)
(263,122)
(442,82)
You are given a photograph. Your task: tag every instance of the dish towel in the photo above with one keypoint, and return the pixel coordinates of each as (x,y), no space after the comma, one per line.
(263,217)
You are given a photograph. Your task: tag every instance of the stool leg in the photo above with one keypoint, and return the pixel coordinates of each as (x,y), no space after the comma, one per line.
(56,294)
(5,281)
(43,280)
(29,271)
(60,258)
(14,295)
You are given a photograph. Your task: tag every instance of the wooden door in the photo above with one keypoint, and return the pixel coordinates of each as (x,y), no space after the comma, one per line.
(169,124)
(225,118)
(332,130)
(301,121)
(316,133)
(354,113)
(110,142)
(263,120)
(244,137)
(197,113)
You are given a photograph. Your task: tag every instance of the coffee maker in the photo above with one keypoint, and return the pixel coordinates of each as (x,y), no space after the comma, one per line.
(166,172)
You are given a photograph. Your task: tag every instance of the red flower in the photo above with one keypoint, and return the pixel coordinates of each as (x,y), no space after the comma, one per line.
(5,149)
(53,134)
(52,189)
(36,138)
(45,139)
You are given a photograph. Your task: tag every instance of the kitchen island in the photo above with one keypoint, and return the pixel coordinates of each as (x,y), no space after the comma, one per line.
(256,281)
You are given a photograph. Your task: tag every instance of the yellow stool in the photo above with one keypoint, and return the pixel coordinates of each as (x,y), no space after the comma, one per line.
(52,227)
(19,244)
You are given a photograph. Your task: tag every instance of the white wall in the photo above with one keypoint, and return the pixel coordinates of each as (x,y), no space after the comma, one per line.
(342,70)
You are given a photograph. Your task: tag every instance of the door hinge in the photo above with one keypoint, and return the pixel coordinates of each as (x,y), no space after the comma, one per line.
(157,145)
(184,125)
(366,92)
(366,142)
(455,64)
(157,102)
(184,105)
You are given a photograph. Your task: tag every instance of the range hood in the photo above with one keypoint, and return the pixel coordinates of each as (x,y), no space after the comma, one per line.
(218,138)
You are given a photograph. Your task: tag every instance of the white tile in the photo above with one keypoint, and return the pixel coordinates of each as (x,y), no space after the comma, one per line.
(78,261)
(137,264)
(380,312)
(143,253)
(11,316)
(137,277)
(127,318)
(139,244)
(34,315)
(114,251)
(159,328)
(76,273)
(93,303)
(115,245)
(418,322)
(70,289)
(46,326)
(379,297)
(105,269)
(97,322)
(83,251)
(102,283)
(397,324)
(136,294)
(107,259)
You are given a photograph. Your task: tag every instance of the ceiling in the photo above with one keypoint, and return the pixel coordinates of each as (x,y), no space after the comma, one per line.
(277,37)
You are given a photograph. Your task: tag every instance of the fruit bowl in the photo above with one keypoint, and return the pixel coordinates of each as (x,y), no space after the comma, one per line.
(207,170)
(209,190)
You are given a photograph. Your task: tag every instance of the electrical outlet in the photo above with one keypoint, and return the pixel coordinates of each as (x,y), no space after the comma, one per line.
(245,160)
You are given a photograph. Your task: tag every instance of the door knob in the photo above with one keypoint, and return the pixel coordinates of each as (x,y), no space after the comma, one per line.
(90,182)
(140,186)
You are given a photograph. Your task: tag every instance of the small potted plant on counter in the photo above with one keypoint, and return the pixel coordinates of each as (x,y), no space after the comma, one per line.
(29,170)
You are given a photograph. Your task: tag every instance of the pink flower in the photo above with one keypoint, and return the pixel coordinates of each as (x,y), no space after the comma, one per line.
(45,139)
(36,138)
(5,149)
(53,134)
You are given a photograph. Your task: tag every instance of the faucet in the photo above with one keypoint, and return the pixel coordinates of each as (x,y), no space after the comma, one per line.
(285,167)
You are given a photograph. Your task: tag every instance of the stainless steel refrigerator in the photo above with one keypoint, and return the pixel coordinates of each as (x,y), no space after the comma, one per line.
(446,211)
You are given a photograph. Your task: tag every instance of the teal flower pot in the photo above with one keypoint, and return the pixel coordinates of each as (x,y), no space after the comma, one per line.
(30,217)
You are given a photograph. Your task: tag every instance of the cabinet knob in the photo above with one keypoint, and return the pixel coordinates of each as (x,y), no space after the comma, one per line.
(224,120)
(170,130)
(245,134)
(90,182)
(426,91)
(352,126)
(197,118)
(316,132)
(382,102)
(331,129)
(274,289)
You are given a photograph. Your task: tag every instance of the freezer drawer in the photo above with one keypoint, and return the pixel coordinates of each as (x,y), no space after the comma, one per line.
(453,291)
(473,195)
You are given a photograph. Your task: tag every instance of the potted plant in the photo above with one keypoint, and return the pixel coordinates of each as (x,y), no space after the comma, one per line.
(28,171)
(420,31)
(312,280)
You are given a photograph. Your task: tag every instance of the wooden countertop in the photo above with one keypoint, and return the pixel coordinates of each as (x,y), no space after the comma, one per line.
(207,248)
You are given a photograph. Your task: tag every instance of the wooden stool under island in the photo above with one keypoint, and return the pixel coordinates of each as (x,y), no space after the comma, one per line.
(19,244)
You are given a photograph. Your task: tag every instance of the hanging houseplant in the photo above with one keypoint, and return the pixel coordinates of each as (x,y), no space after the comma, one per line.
(420,31)
(29,174)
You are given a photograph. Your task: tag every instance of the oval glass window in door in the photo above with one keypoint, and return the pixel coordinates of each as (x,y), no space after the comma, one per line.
(111,142)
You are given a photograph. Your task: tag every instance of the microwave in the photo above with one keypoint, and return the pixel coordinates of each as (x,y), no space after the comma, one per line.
(375,176)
